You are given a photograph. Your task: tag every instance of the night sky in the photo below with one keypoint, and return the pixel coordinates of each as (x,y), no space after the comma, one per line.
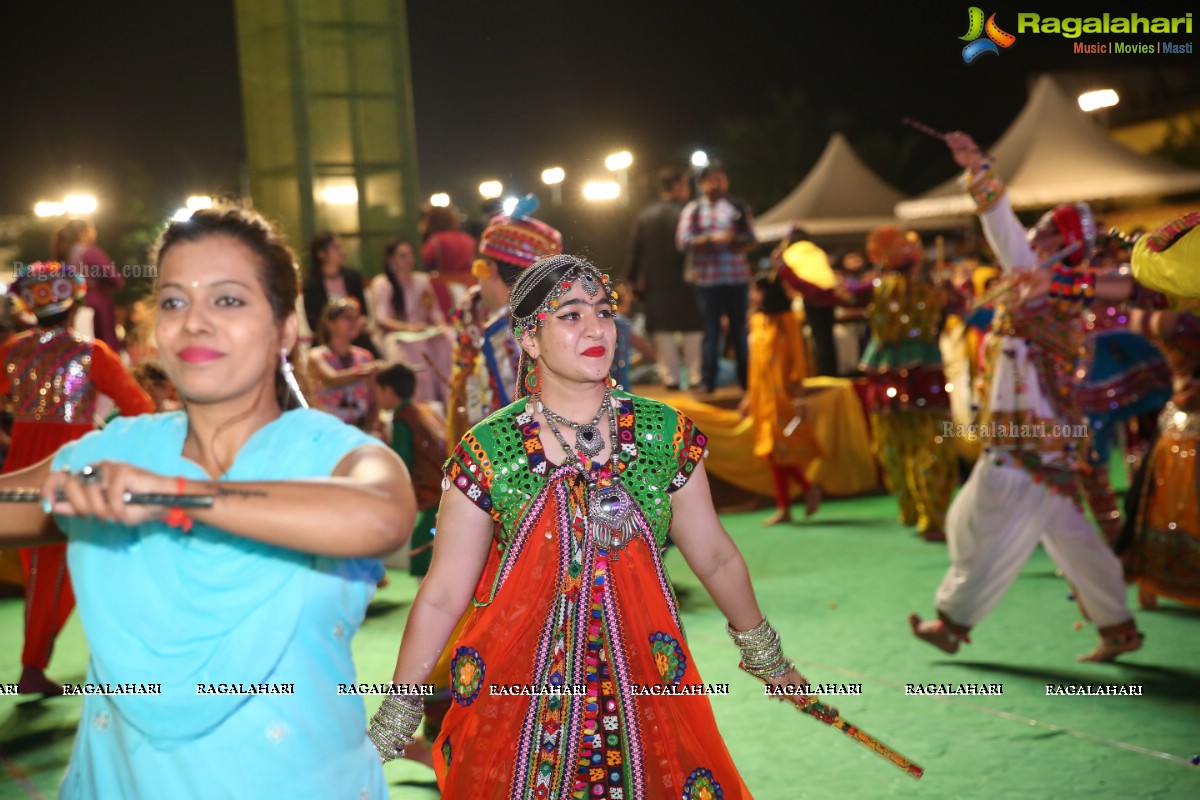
(140,101)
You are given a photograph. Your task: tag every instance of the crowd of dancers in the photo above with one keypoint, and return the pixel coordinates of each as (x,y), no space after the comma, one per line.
(237,533)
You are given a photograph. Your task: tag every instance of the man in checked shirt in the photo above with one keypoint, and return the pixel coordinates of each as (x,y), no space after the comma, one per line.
(715,231)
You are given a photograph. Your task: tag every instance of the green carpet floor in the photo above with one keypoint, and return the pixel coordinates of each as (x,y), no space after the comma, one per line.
(839,588)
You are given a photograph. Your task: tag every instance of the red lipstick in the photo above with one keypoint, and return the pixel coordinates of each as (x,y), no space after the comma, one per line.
(595,352)
(199,355)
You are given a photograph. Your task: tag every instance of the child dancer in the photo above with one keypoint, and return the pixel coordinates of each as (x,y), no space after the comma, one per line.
(778,365)
(418,438)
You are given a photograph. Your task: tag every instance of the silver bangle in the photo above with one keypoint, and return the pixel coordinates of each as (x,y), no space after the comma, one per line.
(762,651)
(394,725)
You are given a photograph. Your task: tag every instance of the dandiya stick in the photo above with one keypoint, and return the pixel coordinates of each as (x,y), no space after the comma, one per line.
(434,368)
(1002,288)
(179,500)
(936,134)
(1024,276)
(830,716)
(923,128)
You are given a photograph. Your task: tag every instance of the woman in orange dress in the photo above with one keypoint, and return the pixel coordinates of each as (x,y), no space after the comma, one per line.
(572,677)
(51,378)
(778,366)
(1161,543)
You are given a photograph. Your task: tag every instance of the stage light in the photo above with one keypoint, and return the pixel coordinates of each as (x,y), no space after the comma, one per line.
(619,161)
(47,208)
(601,190)
(79,204)
(1101,98)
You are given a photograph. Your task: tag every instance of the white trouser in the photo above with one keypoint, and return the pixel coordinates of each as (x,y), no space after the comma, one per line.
(668,356)
(992,527)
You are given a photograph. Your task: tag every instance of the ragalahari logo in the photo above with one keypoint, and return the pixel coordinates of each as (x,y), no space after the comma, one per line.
(977,46)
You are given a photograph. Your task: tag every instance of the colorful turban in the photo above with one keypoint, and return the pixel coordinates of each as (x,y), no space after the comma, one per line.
(46,288)
(1168,260)
(891,248)
(1076,224)
(519,239)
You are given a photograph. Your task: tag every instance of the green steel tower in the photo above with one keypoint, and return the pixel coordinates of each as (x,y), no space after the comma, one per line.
(330,137)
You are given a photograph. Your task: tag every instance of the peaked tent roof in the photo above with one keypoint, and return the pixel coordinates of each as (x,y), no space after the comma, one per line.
(840,194)
(1053,153)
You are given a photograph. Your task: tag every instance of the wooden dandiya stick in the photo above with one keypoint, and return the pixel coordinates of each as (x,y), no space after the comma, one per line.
(923,128)
(814,708)
(1002,288)
(435,370)
(174,500)
(1023,276)
(831,717)
(928,131)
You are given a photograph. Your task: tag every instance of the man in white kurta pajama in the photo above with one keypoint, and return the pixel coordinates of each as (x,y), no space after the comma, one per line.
(1027,487)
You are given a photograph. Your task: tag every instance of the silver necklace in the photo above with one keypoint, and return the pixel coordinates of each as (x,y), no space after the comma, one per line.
(609,515)
(588,439)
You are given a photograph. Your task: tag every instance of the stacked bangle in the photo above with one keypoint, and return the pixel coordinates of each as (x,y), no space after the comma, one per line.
(394,725)
(985,188)
(762,652)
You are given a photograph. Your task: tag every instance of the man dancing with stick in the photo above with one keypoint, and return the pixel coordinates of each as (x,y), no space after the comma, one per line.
(1027,489)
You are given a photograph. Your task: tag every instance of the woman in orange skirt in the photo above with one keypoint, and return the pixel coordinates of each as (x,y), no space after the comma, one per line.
(572,677)
(1161,550)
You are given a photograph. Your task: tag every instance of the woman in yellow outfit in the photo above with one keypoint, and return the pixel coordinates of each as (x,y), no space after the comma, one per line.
(1161,543)
(907,397)
(778,366)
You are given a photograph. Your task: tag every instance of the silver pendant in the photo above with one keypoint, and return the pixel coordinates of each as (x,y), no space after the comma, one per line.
(610,515)
(588,440)
(589,283)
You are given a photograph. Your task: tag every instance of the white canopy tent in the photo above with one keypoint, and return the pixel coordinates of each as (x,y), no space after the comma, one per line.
(1053,153)
(840,195)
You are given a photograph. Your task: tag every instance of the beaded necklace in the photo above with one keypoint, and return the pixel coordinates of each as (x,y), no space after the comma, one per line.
(608,516)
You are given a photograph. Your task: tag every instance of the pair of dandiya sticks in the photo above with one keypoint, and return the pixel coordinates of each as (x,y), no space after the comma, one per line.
(809,705)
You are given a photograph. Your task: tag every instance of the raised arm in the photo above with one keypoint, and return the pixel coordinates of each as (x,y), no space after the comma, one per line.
(1004,232)
(365,508)
(851,294)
